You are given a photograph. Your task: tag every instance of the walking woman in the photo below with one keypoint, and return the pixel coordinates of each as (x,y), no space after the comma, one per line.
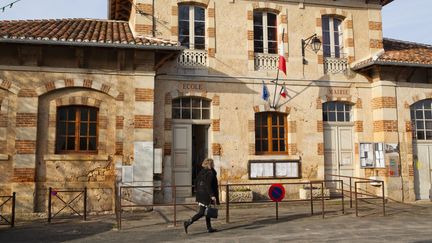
(206,193)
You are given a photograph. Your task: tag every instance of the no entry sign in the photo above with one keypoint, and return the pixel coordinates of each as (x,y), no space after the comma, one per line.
(276,192)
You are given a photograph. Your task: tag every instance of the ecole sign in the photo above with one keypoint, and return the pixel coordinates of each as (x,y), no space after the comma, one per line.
(192,87)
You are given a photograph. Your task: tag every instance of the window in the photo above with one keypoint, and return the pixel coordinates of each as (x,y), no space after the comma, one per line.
(421,117)
(265,32)
(336,112)
(274,169)
(77,129)
(192,27)
(190,108)
(270,133)
(332,37)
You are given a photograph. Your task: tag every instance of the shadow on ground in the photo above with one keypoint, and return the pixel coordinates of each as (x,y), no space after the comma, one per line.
(58,231)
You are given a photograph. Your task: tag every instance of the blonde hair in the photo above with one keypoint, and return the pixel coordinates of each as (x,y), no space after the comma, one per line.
(207,163)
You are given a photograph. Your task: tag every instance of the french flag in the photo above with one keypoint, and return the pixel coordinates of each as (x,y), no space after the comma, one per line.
(282,61)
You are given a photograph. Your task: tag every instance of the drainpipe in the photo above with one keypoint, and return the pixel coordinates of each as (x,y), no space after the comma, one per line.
(399,142)
(153,19)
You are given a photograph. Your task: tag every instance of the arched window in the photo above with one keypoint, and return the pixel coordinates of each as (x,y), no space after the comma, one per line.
(336,112)
(421,117)
(270,133)
(332,36)
(76,129)
(191,108)
(265,32)
(192,26)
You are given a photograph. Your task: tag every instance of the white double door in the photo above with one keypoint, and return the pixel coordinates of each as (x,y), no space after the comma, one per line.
(423,170)
(338,151)
(190,146)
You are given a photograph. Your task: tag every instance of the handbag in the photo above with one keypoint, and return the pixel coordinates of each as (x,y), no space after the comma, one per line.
(211,212)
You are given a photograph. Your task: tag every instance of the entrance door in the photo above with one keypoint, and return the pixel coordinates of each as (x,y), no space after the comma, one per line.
(189,150)
(199,148)
(423,170)
(338,151)
(182,157)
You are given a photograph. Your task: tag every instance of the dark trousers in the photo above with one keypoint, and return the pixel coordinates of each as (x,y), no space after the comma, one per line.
(200,214)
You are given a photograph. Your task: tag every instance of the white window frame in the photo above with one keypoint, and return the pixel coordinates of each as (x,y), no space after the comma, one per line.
(265,31)
(332,39)
(423,108)
(345,111)
(192,26)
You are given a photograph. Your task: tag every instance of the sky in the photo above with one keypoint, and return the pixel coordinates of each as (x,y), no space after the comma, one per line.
(408,20)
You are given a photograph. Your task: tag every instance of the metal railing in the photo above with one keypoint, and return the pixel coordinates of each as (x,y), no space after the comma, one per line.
(335,65)
(310,185)
(363,194)
(193,58)
(264,61)
(3,218)
(67,203)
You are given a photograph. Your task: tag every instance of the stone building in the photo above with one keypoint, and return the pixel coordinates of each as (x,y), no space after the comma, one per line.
(164,84)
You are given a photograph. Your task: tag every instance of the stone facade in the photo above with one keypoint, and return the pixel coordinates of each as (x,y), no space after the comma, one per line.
(135,93)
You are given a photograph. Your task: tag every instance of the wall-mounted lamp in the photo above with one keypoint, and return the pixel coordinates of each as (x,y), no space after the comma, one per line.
(314,42)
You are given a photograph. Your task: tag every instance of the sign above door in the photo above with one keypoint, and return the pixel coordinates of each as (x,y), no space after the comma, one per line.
(192,87)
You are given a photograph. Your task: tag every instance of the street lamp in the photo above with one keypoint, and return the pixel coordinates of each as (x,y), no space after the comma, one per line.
(312,41)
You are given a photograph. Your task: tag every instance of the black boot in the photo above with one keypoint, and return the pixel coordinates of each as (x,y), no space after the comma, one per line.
(209,227)
(186,225)
(211,230)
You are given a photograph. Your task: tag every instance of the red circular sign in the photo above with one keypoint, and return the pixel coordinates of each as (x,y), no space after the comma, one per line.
(276,192)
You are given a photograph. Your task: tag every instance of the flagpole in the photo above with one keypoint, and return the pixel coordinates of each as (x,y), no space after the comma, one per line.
(276,84)
(278,99)
(277,75)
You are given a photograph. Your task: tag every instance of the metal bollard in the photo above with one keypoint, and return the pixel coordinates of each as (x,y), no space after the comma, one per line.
(13,209)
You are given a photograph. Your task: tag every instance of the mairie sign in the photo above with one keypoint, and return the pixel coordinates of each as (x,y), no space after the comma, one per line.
(276,192)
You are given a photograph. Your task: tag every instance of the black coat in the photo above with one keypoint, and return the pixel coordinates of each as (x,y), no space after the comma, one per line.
(215,185)
(206,186)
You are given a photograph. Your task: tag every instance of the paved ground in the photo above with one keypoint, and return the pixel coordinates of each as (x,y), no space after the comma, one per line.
(257,223)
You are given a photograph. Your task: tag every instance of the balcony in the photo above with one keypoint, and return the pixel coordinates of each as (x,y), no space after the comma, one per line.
(264,61)
(193,58)
(335,65)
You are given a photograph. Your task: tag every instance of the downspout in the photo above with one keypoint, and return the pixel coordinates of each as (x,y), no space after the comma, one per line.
(399,141)
(153,19)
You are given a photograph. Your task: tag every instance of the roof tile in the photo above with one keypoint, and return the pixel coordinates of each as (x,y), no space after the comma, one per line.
(400,52)
(403,51)
(77,31)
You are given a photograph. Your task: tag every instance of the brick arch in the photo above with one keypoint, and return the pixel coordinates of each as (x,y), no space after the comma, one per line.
(335,12)
(266,108)
(266,6)
(9,86)
(78,83)
(419,97)
(326,98)
(78,100)
(177,94)
(203,3)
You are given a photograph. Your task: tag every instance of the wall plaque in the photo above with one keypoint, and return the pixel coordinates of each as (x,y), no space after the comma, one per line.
(192,87)
(339,92)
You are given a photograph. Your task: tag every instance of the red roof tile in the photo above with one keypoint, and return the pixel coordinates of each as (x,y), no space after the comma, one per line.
(403,51)
(400,53)
(77,31)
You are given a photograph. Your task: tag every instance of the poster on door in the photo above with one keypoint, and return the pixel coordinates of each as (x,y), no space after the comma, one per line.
(392,157)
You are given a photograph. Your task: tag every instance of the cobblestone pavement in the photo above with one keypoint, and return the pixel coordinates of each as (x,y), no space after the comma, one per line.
(256,223)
